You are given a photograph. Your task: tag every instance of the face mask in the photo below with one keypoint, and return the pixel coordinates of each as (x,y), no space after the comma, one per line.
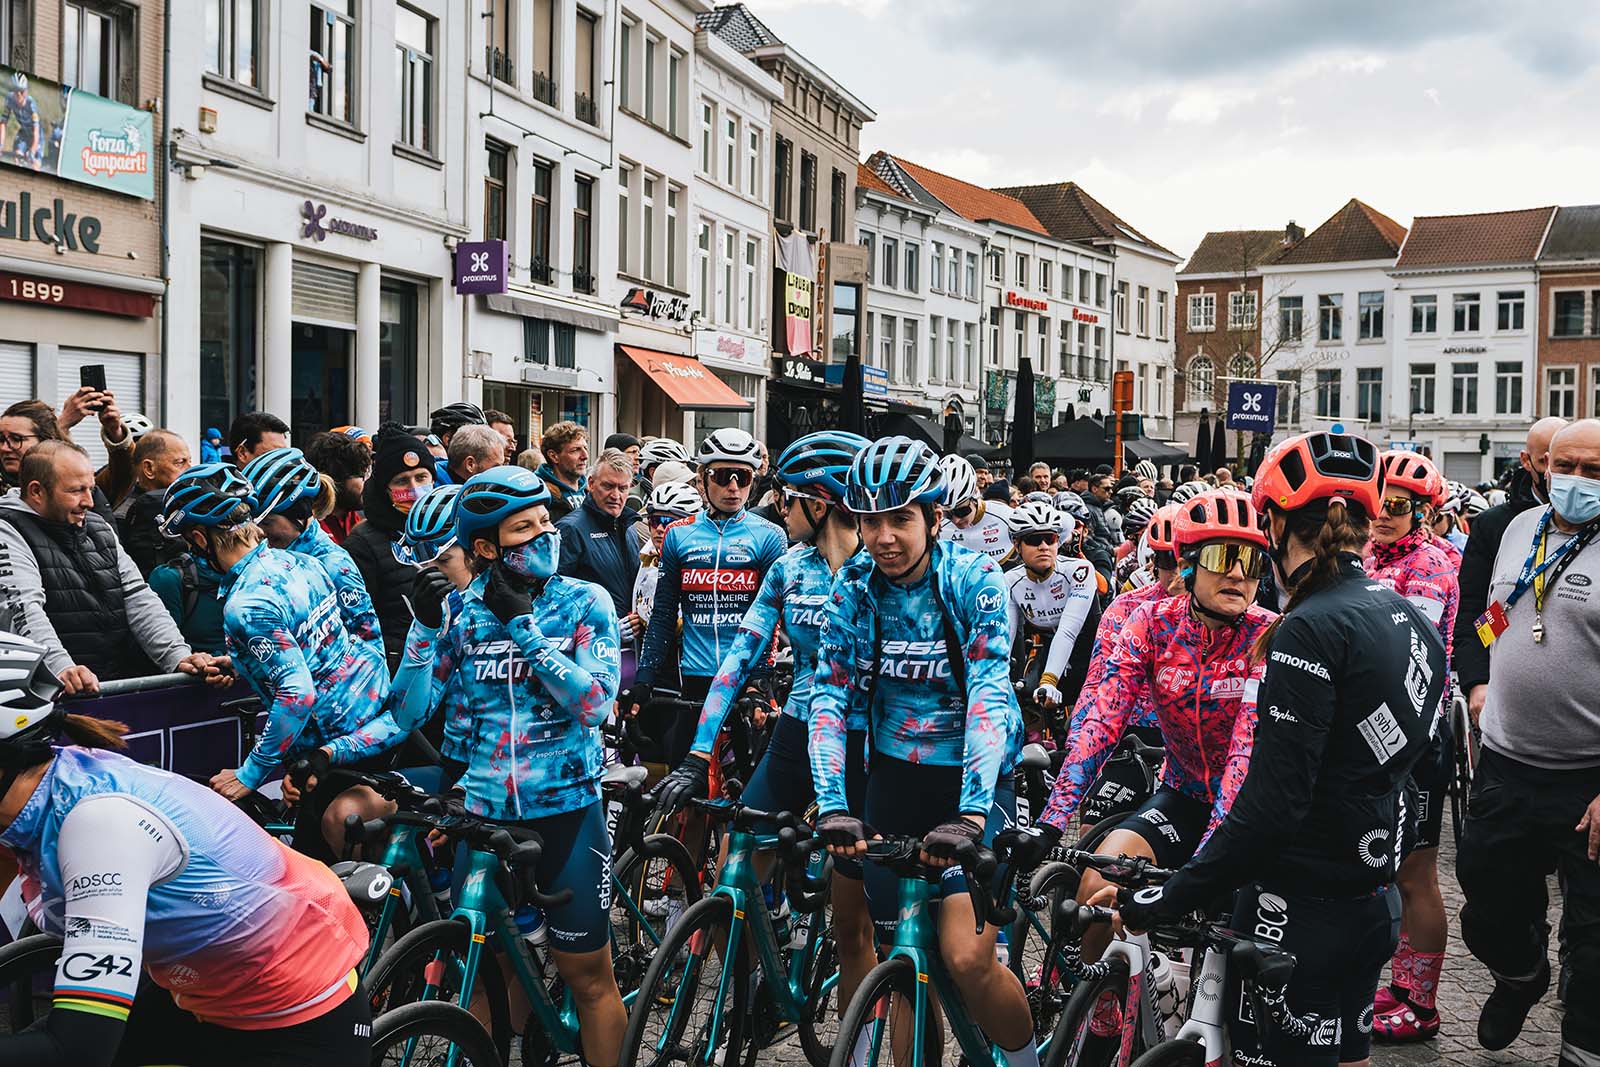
(1576,499)
(537,558)
(404,499)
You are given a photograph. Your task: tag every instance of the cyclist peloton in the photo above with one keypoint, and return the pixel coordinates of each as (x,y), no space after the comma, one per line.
(929,619)
(668,505)
(1190,655)
(125,862)
(1051,595)
(1354,675)
(1408,557)
(970,521)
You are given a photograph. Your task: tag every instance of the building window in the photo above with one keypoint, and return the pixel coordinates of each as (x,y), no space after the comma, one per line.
(752,161)
(652,63)
(230,276)
(97,52)
(1044,345)
(1508,388)
(624,222)
(913,258)
(846,321)
(543,175)
(1509,309)
(1085,356)
(1561,392)
(332,59)
(1423,377)
(494,190)
(647,228)
(969,353)
(908,370)
(952,369)
(1568,318)
(1369,308)
(1241,311)
(1085,286)
(838,198)
(1100,290)
(674,201)
(544,52)
(1064,332)
(886,340)
(1044,276)
(1463,388)
(628,45)
(1202,312)
(1466,312)
(1022,271)
(1288,397)
(996,265)
(1369,393)
(936,268)
(891,264)
(730,263)
(972,274)
(708,161)
(1122,307)
(934,351)
(867,243)
(1594,389)
(677,89)
(1066,281)
(1291,319)
(586,95)
(783,174)
(1020,323)
(1424,314)
(1329,393)
(232,29)
(1161,309)
(808,192)
(730,150)
(1330,317)
(703,269)
(1141,311)
(752,252)
(1202,380)
(414,35)
(583,234)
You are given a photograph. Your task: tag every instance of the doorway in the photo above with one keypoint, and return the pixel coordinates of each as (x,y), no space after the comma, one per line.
(320,389)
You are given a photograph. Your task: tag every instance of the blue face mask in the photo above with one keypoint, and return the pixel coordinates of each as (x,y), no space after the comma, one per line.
(537,558)
(1576,499)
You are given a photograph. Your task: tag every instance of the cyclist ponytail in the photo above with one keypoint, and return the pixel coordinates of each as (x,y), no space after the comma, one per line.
(89,732)
(1329,533)
(327,496)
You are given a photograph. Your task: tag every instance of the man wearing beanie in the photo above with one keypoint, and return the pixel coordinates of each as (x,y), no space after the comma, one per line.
(401,473)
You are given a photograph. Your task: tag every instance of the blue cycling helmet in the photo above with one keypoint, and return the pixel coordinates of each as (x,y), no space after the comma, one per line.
(891,473)
(280,479)
(212,494)
(818,464)
(493,495)
(430,527)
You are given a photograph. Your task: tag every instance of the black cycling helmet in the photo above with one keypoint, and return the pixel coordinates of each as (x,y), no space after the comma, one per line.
(452,417)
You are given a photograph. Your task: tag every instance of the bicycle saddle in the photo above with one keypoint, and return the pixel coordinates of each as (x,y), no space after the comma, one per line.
(367,883)
(626,777)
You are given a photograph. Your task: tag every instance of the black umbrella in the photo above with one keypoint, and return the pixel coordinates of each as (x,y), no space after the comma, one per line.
(1022,418)
(952,432)
(1219,445)
(1072,415)
(1202,442)
(1258,451)
(852,390)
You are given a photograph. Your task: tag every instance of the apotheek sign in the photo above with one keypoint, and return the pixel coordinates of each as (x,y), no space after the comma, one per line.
(316,225)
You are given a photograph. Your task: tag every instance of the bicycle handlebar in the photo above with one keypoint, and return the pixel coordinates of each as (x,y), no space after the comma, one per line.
(807,894)
(978,863)
(1133,872)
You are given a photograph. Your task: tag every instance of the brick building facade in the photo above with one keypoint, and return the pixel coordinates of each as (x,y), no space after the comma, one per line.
(1569,315)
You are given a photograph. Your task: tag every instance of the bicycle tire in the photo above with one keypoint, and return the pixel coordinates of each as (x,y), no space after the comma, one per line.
(22,963)
(820,1005)
(1178,1052)
(1464,760)
(405,961)
(1073,1043)
(1039,967)
(641,878)
(664,986)
(893,977)
(1097,832)
(449,1024)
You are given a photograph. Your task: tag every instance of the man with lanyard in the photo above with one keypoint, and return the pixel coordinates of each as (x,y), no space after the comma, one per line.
(1535,805)
(970,522)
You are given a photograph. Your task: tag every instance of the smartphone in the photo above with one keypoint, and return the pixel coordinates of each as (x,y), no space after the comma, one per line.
(93,375)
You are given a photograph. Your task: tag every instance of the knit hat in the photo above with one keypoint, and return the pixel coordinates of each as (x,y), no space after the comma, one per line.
(394,452)
(623,441)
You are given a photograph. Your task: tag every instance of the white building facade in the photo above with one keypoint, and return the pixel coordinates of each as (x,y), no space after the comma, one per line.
(895,232)
(1142,314)
(956,249)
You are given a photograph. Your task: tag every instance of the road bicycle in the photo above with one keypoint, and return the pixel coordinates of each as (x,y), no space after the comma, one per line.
(1464,763)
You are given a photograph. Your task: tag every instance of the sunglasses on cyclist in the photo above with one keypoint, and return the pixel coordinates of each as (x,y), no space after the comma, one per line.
(1039,538)
(961,512)
(661,522)
(726,476)
(1222,558)
(1164,560)
(1398,505)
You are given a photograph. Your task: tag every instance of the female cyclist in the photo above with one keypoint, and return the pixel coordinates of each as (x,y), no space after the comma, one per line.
(1050,595)
(428,543)
(669,504)
(1354,674)
(1191,655)
(928,617)
(190,935)
(792,596)
(1408,557)
(529,669)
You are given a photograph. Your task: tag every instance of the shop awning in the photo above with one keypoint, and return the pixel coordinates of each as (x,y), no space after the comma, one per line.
(1160,453)
(686,381)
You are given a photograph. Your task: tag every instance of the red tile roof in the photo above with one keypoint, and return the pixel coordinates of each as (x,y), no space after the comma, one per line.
(868,179)
(1072,214)
(1484,238)
(1356,232)
(1233,251)
(972,202)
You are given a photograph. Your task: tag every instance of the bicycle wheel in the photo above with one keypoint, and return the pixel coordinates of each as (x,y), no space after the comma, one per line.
(819,1020)
(1465,766)
(428,965)
(1175,1053)
(425,1035)
(870,1014)
(656,885)
(688,987)
(1037,947)
(27,980)
(1089,1033)
(1096,832)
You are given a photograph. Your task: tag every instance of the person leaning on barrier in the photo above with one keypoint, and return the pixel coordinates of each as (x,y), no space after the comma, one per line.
(66,582)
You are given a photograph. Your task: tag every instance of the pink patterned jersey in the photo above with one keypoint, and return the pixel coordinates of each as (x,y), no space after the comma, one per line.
(1424,569)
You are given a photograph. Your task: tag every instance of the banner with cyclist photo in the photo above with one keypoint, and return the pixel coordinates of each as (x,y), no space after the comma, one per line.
(55,129)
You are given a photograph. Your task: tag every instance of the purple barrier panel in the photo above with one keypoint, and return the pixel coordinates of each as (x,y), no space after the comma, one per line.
(173,722)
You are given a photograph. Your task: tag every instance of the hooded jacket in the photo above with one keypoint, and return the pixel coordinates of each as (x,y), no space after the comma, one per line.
(371,545)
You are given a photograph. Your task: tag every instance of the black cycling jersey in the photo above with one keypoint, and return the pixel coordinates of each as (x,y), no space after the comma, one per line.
(1350,698)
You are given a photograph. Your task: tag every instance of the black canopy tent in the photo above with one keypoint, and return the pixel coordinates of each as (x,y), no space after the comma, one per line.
(1083,443)
(925,429)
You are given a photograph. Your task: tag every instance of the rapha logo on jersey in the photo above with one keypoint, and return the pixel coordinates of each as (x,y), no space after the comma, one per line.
(989,600)
(1283,715)
(1309,666)
(1174,679)
(1383,734)
(262,648)
(719,580)
(1371,848)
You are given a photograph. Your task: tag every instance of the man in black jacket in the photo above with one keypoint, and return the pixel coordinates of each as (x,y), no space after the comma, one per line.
(401,473)
(600,540)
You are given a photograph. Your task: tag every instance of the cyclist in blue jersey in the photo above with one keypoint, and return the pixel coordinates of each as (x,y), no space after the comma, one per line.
(19,106)
(428,543)
(927,618)
(291,498)
(710,570)
(189,935)
(529,670)
(792,598)
(325,698)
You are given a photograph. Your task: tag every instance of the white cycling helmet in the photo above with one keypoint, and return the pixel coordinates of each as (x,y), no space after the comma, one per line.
(729,445)
(960,480)
(1035,516)
(662,450)
(28,688)
(674,498)
(137,425)
(1139,513)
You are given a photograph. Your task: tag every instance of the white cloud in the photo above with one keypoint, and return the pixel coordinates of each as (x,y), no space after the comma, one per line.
(1205,105)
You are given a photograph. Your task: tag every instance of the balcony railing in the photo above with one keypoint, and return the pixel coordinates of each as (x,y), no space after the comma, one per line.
(542,272)
(582,280)
(586,108)
(544,88)
(500,66)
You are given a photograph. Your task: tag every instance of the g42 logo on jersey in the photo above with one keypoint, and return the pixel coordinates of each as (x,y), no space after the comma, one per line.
(988,600)
(87,966)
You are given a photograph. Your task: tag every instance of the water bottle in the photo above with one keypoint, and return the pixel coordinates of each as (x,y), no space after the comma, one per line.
(1002,948)
(531,925)
(799,931)
(439,882)
(1168,1000)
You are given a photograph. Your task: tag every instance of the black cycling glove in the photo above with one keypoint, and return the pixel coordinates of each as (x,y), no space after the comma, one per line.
(640,694)
(1033,845)
(690,781)
(311,766)
(428,592)
(841,829)
(946,839)
(507,595)
(1141,909)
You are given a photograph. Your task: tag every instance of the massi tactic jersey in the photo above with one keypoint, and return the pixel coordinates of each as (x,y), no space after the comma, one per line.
(710,571)
(1202,684)
(1111,624)
(918,712)
(1353,683)
(792,595)
(138,868)
(1058,605)
(521,701)
(1421,568)
(25,115)
(355,604)
(280,613)
(988,532)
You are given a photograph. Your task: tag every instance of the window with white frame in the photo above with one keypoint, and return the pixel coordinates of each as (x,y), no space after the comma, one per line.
(1022,277)
(969,353)
(1291,319)
(1567,313)
(703,276)
(624,223)
(708,134)
(1330,389)
(1369,308)
(913,263)
(952,368)
(1463,388)
(730,288)
(730,150)
(752,162)
(647,230)
(1369,393)
(1084,356)
(1161,314)
(1561,392)
(677,92)
(1424,313)
(972,275)
(1066,281)
(954,284)
(1509,309)
(1241,311)
(934,351)
(1202,376)
(1424,380)
(936,268)
(891,263)
(415,35)
(332,59)
(1508,388)
(1064,332)
(992,354)
(1594,388)
(886,340)
(1043,345)
(1141,310)
(676,195)
(1330,317)
(996,265)
(1202,312)
(1085,285)
(1020,330)
(869,243)
(1044,276)
(752,294)
(232,28)
(1100,282)
(1122,307)
(1465,309)
(1288,397)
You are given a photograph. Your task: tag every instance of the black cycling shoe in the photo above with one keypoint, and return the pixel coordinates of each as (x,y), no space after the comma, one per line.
(1507,1008)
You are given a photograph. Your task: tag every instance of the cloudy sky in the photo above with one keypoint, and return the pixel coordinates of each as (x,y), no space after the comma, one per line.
(1190,115)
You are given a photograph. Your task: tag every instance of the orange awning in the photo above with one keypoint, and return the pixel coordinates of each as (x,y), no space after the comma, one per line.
(690,385)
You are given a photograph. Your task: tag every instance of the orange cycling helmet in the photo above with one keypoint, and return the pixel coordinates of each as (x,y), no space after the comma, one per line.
(1159,532)
(1215,515)
(1413,472)
(1320,466)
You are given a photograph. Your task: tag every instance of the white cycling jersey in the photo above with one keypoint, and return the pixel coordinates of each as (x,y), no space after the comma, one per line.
(1060,603)
(987,533)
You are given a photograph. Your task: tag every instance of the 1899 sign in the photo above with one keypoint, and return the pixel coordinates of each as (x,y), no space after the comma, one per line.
(44,292)
(71,294)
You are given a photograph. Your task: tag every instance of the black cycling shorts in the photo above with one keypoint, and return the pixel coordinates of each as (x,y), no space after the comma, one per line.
(1171,824)
(1123,783)
(576,856)
(1340,948)
(677,733)
(782,781)
(1431,776)
(159,1031)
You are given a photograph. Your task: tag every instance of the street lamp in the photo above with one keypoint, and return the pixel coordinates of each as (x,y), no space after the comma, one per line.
(1411,424)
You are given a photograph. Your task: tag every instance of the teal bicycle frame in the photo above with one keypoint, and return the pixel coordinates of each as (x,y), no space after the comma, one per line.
(403,858)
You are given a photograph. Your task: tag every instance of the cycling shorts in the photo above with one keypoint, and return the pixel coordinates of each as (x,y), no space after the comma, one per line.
(576,856)
(905,798)
(782,781)
(1123,784)
(1171,824)
(159,1031)
(1340,948)
(677,732)
(1431,776)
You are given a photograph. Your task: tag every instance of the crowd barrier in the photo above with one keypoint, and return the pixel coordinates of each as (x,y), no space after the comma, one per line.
(175,721)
